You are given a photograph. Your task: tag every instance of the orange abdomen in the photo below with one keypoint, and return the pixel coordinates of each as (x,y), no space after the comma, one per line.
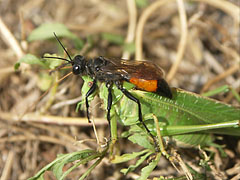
(147,85)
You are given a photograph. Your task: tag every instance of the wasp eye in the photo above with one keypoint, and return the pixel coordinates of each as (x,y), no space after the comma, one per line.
(77,69)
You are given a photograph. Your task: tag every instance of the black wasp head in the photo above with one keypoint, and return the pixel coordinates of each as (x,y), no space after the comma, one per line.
(78,64)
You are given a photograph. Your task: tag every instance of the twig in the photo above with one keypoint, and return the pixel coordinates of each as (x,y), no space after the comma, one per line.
(132,21)
(95,131)
(51,119)
(7,168)
(142,21)
(183,40)
(66,102)
(225,6)
(10,40)
(6,70)
(226,73)
(57,131)
(18,138)
(213,63)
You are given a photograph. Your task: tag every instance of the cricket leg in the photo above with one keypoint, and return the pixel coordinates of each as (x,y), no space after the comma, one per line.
(90,91)
(130,96)
(109,103)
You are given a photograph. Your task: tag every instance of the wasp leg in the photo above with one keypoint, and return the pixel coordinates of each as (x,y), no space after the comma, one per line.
(130,96)
(90,91)
(109,105)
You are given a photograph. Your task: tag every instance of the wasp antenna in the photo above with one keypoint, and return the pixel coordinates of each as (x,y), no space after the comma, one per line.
(62,46)
(57,58)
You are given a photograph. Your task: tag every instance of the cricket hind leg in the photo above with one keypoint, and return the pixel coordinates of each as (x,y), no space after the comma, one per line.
(130,96)
(90,91)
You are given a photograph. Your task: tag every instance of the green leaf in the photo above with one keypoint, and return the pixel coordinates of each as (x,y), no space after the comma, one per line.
(50,62)
(16,66)
(127,157)
(84,160)
(221,89)
(33,60)
(30,59)
(138,163)
(146,171)
(57,169)
(142,140)
(60,161)
(142,3)
(113,38)
(45,31)
(78,43)
(90,169)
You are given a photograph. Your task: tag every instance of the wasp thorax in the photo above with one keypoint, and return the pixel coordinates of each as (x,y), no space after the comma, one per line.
(98,63)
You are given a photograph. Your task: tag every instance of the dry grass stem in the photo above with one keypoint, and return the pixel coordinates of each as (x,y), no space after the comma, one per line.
(141,23)
(221,76)
(183,40)
(30,117)
(10,40)
(8,166)
(132,21)
(225,6)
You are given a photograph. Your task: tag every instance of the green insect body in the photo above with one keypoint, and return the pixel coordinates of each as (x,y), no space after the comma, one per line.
(188,112)
(188,118)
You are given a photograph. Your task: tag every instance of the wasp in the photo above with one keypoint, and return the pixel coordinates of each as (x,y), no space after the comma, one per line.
(145,75)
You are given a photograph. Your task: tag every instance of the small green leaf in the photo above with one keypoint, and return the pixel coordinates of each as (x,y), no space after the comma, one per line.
(61,160)
(41,177)
(45,31)
(222,89)
(146,171)
(113,38)
(50,62)
(30,59)
(78,43)
(84,160)
(142,140)
(125,134)
(142,3)
(57,169)
(89,170)
(138,163)
(16,66)
(127,157)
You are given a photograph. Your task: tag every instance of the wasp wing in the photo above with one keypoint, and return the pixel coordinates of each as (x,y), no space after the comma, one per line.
(131,68)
